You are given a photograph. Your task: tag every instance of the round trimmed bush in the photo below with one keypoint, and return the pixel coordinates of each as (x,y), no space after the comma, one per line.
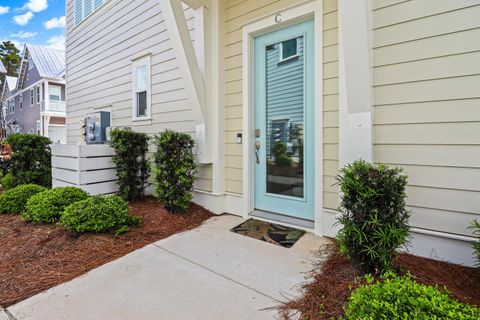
(98,214)
(403,298)
(47,206)
(14,200)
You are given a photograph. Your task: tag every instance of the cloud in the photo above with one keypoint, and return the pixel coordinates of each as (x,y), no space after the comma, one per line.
(55,23)
(56,42)
(23,35)
(23,19)
(4,10)
(36,5)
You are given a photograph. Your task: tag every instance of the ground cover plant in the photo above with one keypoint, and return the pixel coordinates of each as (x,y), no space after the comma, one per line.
(130,158)
(335,277)
(47,206)
(175,169)
(374,221)
(36,257)
(14,200)
(401,297)
(99,214)
(30,160)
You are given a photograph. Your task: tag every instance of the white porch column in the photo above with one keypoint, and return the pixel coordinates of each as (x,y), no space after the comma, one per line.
(46,101)
(184,50)
(355,81)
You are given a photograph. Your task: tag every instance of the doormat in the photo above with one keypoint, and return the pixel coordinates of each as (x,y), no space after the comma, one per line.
(269,232)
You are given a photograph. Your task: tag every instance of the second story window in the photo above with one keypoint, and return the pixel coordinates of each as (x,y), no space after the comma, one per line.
(84,8)
(21,102)
(141,88)
(54,93)
(37,89)
(32,97)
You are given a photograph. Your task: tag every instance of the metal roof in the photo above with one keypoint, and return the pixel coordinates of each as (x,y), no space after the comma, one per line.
(2,68)
(50,63)
(11,82)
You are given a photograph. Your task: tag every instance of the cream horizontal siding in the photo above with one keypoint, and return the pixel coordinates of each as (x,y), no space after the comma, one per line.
(238,12)
(99,70)
(330,103)
(426,77)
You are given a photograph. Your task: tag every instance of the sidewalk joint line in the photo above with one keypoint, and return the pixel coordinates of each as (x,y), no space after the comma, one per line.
(217,273)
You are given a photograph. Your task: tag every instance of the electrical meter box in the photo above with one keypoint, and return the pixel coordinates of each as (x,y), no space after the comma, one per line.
(96,125)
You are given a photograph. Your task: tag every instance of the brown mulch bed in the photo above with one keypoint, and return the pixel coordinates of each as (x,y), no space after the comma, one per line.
(334,279)
(34,258)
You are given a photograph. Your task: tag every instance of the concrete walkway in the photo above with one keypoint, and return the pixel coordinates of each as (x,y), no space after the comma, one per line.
(206,273)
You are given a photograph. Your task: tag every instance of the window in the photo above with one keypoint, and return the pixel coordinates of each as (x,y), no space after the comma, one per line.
(21,102)
(31,97)
(54,92)
(84,8)
(141,89)
(37,89)
(288,49)
(11,106)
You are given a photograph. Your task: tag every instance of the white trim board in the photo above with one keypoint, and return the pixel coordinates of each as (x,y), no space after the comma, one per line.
(355,86)
(282,19)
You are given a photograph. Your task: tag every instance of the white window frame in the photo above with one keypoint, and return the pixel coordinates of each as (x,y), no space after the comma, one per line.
(13,105)
(144,61)
(21,102)
(38,94)
(93,10)
(32,97)
(280,46)
(54,87)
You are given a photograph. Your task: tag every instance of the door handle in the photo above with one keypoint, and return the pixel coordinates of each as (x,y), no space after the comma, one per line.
(257,148)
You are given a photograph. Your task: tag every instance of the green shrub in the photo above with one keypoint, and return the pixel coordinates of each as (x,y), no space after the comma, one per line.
(403,298)
(373,215)
(8,181)
(14,200)
(31,159)
(98,214)
(282,159)
(131,161)
(175,169)
(47,206)
(475,226)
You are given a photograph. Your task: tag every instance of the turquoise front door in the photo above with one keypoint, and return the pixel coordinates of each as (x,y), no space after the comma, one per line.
(284,121)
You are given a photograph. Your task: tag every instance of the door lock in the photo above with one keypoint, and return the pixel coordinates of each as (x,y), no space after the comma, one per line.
(257,148)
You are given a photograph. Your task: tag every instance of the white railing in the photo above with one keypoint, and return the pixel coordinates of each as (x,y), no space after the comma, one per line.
(55,106)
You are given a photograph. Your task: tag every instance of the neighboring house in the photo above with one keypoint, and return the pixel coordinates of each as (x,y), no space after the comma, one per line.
(334,81)
(35,101)
(2,68)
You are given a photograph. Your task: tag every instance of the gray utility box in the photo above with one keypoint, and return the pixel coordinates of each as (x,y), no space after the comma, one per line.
(96,125)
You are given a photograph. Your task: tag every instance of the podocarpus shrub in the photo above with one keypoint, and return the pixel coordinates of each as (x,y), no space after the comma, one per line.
(403,299)
(175,169)
(475,226)
(373,215)
(98,214)
(131,161)
(47,206)
(31,159)
(14,200)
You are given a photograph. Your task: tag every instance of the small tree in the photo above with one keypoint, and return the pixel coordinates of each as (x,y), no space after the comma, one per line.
(31,159)
(175,169)
(374,219)
(133,168)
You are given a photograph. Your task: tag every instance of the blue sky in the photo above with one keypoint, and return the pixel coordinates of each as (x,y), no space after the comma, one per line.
(40,22)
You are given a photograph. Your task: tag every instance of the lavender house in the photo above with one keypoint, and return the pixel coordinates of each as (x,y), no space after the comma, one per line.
(35,101)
